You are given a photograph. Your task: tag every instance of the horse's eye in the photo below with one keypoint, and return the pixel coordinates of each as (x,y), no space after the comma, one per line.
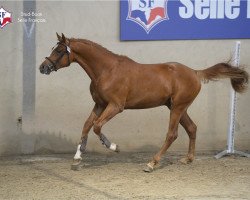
(58,51)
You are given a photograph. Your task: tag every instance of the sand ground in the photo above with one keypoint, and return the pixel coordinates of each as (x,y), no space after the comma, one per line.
(120,176)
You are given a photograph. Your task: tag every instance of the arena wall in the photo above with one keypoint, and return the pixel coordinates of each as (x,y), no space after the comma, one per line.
(63,100)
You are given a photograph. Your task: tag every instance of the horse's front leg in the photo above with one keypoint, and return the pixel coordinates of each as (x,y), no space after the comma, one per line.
(110,111)
(84,138)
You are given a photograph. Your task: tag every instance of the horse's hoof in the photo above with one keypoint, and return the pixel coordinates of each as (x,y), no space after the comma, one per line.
(186,161)
(117,150)
(76,165)
(148,168)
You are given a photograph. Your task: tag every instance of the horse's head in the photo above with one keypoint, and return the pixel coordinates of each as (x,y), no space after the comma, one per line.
(60,56)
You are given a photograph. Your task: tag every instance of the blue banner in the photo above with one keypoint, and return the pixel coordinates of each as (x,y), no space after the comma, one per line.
(184,19)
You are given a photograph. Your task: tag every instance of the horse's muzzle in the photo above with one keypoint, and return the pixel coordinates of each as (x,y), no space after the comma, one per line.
(45,69)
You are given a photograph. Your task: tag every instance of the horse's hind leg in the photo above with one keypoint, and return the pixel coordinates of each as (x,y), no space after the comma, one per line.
(175,115)
(190,128)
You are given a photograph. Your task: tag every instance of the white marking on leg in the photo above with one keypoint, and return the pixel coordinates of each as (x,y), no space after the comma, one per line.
(113,146)
(78,153)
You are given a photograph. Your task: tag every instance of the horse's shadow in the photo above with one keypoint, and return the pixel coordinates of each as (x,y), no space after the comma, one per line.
(92,160)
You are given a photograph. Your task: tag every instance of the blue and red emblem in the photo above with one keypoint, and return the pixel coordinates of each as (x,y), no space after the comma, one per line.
(147,13)
(5,17)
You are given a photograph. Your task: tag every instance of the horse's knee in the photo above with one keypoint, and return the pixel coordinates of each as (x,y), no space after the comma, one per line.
(97,128)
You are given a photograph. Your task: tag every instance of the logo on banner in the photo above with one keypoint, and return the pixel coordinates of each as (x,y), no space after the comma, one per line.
(147,13)
(5,17)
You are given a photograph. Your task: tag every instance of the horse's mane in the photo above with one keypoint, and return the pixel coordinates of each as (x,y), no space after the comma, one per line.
(100,47)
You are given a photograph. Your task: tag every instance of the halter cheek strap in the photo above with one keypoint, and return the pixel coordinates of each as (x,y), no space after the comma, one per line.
(53,64)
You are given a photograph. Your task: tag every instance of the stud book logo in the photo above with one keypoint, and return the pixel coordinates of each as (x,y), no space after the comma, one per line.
(5,17)
(147,13)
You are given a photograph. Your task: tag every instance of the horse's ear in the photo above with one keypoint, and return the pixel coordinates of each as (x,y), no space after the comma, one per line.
(63,38)
(58,37)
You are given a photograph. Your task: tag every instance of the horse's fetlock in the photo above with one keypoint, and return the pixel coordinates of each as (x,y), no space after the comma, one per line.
(190,157)
(156,160)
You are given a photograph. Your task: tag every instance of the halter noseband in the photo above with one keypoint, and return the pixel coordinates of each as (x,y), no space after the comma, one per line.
(53,64)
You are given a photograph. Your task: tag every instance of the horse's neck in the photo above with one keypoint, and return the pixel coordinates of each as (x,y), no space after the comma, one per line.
(92,75)
(90,59)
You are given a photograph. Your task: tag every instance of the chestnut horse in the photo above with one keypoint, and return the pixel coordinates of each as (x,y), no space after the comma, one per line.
(118,83)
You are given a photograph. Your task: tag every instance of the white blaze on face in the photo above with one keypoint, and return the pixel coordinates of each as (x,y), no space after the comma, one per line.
(78,153)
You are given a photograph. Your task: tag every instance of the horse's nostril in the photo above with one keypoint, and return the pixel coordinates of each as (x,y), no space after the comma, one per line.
(42,69)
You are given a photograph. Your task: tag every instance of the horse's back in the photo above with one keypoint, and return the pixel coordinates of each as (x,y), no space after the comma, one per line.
(171,72)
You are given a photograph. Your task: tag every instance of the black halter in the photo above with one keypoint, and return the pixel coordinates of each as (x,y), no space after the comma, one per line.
(53,64)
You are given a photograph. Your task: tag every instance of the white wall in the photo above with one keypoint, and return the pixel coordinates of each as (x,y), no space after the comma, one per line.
(10,81)
(63,100)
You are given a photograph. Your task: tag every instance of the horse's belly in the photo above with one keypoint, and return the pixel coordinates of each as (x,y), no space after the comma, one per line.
(149,90)
(147,100)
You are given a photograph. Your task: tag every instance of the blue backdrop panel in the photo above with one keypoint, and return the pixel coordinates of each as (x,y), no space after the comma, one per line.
(184,19)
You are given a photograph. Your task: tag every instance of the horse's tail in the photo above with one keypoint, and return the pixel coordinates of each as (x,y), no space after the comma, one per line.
(238,76)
